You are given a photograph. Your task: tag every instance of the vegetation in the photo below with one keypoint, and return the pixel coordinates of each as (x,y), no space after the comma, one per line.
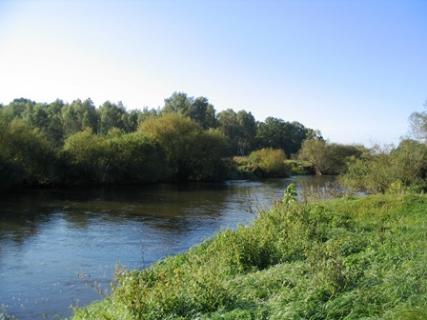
(192,153)
(348,258)
(395,170)
(76,143)
(262,163)
(339,259)
(115,158)
(328,158)
(299,167)
(418,122)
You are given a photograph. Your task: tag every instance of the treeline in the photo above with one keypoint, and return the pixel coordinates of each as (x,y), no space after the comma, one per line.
(78,143)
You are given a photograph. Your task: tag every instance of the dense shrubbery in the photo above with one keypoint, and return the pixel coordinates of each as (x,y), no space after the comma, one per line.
(328,158)
(262,163)
(115,158)
(77,143)
(341,259)
(26,156)
(192,153)
(402,168)
(270,161)
(299,167)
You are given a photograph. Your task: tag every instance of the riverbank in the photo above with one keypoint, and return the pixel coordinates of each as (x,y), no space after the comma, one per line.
(326,260)
(50,238)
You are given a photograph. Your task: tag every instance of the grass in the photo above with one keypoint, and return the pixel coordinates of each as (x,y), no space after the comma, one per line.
(338,259)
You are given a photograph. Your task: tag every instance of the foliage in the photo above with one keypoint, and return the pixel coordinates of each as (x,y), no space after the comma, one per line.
(193,154)
(277,133)
(418,121)
(263,163)
(113,159)
(290,195)
(269,161)
(328,158)
(299,167)
(26,156)
(239,128)
(381,171)
(340,259)
(76,140)
(198,109)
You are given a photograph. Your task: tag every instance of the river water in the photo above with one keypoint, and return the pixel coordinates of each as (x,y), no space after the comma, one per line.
(59,248)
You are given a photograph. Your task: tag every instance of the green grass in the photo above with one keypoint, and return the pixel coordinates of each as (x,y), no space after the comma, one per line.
(338,259)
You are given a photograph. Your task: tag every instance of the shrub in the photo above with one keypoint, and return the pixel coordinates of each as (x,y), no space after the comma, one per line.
(269,160)
(26,156)
(404,167)
(328,158)
(299,167)
(114,158)
(193,154)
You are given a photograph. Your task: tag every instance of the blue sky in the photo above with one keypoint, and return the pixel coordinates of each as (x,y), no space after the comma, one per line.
(353,69)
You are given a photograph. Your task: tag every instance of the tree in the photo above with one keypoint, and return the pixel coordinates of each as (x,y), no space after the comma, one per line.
(114,158)
(277,133)
(328,158)
(271,133)
(190,150)
(48,118)
(178,102)
(26,156)
(239,128)
(111,116)
(78,116)
(418,121)
(199,109)
(380,170)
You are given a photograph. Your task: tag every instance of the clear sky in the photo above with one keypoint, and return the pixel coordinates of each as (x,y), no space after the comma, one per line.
(353,69)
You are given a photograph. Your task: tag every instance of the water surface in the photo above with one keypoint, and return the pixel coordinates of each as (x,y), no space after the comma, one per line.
(59,248)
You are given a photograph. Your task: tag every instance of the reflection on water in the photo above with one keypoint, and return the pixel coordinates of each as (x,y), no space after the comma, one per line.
(57,245)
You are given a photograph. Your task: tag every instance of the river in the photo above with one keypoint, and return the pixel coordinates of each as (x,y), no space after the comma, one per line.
(59,248)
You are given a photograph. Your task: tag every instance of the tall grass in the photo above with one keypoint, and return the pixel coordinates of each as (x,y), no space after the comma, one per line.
(337,259)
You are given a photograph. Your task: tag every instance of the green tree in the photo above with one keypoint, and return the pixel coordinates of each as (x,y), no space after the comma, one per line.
(418,121)
(78,116)
(111,116)
(26,156)
(178,102)
(288,136)
(199,109)
(190,150)
(328,158)
(239,128)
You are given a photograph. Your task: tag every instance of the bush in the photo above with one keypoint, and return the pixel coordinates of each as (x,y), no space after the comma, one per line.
(270,161)
(192,154)
(26,156)
(114,158)
(403,168)
(263,163)
(328,158)
(299,167)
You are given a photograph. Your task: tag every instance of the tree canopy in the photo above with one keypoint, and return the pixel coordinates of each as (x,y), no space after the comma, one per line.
(78,142)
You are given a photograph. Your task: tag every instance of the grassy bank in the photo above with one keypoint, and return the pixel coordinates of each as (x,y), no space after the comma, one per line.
(340,259)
